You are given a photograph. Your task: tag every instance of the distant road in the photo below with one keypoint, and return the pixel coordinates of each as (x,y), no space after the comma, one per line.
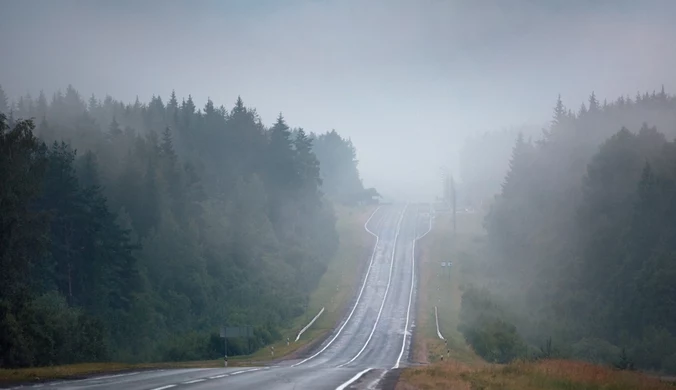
(373,338)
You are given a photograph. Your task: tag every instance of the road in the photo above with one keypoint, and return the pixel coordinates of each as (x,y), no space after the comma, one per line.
(373,338)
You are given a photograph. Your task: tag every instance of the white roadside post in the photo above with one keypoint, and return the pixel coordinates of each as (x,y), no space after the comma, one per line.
(225,347)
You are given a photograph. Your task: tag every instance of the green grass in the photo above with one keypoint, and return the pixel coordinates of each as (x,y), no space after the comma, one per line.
(440,287)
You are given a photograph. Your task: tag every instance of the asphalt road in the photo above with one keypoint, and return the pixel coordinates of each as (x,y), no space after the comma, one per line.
(373,338)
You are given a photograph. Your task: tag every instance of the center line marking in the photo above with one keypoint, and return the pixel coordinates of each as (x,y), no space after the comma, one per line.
(353,379)
(410,294)
(164,387)
(194,381)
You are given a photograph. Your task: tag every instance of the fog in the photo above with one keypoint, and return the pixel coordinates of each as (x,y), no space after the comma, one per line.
(203,184)
(407,81)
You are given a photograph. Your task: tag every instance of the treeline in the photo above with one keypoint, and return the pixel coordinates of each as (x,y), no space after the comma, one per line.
(134,231)
(582,237)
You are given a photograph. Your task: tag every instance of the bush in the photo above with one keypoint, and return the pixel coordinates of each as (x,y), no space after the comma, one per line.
(483,326)
(654,348)
(496,341)
(46,331)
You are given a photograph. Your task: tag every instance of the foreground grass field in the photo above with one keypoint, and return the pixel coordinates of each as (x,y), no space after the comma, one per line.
(543,375)
(461,369)
(334,294)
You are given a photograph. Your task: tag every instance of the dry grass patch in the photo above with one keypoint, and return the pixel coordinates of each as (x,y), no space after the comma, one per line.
(443,375)
(543,375)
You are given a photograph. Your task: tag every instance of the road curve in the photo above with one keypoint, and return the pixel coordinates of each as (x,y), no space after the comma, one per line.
(373,338)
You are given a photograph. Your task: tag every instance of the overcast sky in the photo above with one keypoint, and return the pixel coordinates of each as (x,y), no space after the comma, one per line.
(407,80)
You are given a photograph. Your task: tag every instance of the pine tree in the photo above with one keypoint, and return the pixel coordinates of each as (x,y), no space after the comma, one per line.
(593,103)
(560,112)
(518,168)
(41,106)
(93,104)
(4,107)
(280,155)
(172,109)
(114,130)
(239,106)
(308,166)
(23,163)
(63,201)
(107,249)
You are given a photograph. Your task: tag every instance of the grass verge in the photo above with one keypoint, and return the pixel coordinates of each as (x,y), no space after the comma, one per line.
(541,375)
(440,287)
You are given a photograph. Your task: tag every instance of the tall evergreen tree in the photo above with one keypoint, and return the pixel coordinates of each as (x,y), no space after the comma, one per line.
(4,106)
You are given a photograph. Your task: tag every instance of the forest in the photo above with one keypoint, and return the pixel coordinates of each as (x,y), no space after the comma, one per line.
(580,259)
(132,232)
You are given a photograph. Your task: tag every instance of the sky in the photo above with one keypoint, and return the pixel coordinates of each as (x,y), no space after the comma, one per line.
(406,80)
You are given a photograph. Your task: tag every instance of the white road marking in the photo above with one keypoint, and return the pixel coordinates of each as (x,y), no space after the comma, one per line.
(410,296)
(387,289)
(428,230)
(353,379)
(436,318)
(358,296)
(112,376)
(194,381)
(309,325)
(164,387)
(243,371)
(374,383)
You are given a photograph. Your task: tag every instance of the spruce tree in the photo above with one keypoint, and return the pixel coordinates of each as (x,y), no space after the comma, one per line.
(4,106)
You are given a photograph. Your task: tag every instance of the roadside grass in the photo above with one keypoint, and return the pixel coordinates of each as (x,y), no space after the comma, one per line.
(334,292)
(541,375)
(440,286)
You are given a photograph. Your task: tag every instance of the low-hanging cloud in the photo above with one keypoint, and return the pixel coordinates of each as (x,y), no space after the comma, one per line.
(406,80)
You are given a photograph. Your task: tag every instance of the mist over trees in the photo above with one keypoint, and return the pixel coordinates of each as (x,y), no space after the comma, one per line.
(133,231)
(481,177)
(582,236)
(340,177)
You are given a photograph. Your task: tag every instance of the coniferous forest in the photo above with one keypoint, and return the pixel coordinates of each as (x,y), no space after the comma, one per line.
(132,232)
(581,244)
